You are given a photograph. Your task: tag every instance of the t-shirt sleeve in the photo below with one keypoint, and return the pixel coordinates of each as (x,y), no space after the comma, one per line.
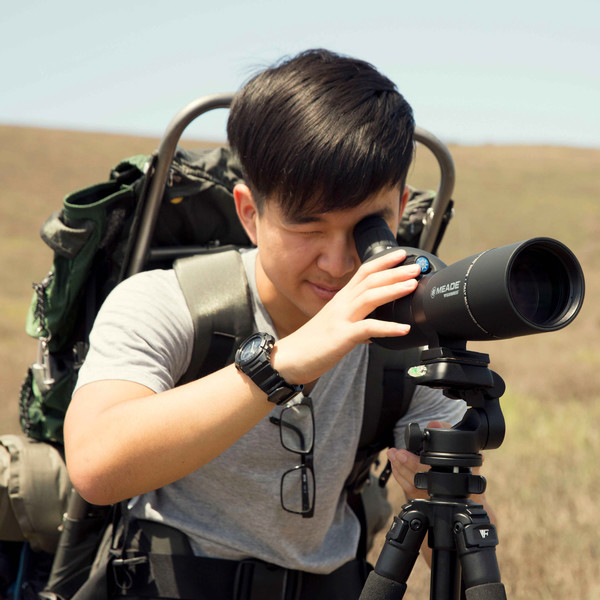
(428,404)
(142,333)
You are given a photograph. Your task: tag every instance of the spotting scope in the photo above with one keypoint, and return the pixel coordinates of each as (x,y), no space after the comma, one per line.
(533,286)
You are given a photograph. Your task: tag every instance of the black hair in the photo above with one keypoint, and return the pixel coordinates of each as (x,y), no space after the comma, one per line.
(320,132)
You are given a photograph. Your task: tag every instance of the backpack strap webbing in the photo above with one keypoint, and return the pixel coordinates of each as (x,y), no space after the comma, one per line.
(388,393)
(389,389)
(216,290)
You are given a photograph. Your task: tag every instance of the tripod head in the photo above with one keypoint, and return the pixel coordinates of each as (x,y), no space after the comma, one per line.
(451,453)
(460,533)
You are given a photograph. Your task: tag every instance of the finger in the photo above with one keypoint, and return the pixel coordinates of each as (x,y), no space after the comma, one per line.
(439,425)
(372,328)
(386,282)
(405,460)
(404,467)
(381,263)
(391,275)
(375,297)
(365,298)
(405,480)
(405,463)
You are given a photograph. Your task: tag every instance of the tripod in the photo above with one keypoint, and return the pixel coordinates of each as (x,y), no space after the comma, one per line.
(462,539)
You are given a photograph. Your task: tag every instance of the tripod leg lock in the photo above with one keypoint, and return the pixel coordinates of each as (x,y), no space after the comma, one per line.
(402,545)
(477,536)
(476,540)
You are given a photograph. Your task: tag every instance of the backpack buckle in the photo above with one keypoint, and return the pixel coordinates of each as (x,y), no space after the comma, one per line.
(123,569)
(42,368)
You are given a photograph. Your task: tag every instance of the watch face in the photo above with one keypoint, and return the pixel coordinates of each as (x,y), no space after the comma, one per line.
(250,348)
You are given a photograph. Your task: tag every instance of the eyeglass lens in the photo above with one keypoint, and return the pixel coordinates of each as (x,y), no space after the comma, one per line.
(297,429)
(298,490)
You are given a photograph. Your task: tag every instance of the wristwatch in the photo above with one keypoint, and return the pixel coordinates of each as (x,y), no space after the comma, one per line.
(253,358)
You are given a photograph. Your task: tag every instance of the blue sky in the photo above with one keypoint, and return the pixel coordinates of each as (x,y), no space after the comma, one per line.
(475,72)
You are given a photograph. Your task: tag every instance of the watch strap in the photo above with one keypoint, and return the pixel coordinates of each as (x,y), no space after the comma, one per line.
(262,373)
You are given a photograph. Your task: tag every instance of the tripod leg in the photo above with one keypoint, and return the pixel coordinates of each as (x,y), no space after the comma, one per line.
(398,556)
(476,541)
(445,575)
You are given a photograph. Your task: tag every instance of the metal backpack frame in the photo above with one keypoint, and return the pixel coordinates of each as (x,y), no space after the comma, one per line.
(79,512)
(433,222)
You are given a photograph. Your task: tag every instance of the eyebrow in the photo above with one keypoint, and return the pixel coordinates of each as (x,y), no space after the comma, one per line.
(310,218)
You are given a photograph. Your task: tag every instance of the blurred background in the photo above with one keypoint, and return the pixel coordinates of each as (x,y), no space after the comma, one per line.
(509,72)
(511,88)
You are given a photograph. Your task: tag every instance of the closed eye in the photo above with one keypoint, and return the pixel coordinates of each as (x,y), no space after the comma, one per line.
(310,232)
(304,230)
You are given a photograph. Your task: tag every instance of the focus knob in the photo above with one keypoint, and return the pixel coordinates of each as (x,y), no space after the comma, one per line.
(414,438)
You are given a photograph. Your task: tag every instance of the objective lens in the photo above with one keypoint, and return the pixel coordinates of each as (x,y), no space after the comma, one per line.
(539,286)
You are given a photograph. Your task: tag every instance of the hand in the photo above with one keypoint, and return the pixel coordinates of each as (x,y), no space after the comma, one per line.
(405,465)
(342,323)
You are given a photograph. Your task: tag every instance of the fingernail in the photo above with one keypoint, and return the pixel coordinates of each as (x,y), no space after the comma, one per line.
(397,455)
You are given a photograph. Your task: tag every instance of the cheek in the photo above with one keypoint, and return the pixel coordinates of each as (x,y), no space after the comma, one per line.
(281,246)
(304,253)
(287,258)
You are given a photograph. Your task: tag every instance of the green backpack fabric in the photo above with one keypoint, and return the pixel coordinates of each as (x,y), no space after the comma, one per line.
(92,237)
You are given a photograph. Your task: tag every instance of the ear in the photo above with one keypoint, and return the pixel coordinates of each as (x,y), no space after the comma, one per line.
(246,209)
(403,201)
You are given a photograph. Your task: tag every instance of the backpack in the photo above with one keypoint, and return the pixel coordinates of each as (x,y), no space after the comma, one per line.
(93,238)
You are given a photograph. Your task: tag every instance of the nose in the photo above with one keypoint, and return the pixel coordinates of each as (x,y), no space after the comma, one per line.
(338,257)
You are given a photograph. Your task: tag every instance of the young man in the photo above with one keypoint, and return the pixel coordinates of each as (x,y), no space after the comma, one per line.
(324,141)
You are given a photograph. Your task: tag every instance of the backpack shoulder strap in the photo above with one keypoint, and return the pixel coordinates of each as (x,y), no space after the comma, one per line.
(388,392)
(218,297)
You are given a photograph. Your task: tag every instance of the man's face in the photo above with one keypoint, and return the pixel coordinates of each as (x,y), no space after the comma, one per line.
(302,263)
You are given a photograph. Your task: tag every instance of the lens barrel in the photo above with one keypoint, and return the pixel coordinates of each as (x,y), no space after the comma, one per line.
(533,286)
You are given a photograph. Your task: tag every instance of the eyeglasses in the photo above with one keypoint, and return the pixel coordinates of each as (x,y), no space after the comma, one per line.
(297,431)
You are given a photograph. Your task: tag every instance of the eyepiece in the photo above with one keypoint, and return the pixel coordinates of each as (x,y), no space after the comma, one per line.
(372,236)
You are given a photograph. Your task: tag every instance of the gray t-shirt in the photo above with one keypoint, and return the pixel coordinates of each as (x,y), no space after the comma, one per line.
(230,508)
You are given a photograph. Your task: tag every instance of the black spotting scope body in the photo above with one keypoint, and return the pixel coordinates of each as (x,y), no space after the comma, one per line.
(533,286)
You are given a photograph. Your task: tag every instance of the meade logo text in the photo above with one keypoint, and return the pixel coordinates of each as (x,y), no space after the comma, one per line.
(448,289)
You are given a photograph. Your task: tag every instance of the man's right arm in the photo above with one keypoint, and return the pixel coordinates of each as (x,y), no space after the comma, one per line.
(122,439)
(128,429)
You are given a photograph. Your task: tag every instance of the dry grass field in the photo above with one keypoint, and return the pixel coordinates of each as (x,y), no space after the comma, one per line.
(543,482)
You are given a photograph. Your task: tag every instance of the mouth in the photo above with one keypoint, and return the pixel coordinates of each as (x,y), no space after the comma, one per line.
(324,292)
